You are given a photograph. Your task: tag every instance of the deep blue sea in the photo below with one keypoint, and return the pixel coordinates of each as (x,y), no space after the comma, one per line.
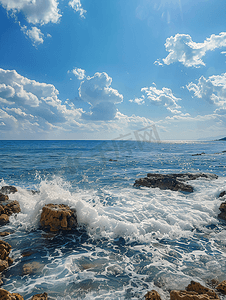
(130,240)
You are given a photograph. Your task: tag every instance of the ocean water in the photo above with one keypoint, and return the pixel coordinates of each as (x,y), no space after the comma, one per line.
(130,240)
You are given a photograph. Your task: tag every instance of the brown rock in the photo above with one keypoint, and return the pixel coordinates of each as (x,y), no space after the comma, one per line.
(12,208)
(8,189)
(222,287)
(3,197)
(4,233)
(5,260)
(4,219)
(185,295)
(152,295)
(57,217)
(43,296)
(3,265)
(200,289)
(5,295)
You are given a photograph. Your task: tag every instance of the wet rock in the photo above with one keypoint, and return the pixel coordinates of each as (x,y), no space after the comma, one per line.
(222,287)
(222,214)
(5,295)
(112,159)
(200,289)
(27,253)
(43,296)
(197,154)
(8,189)
(222,194)
(4,219)
(3,197)
(4,233)
(57,217)
(172,182)
(13,207)
(152,295)
(5,260)
(194,291)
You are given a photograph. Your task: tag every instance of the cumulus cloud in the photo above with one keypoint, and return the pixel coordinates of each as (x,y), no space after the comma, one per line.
(36,12)
(212,89)
(34,34)
(181,48)
(76,5)
(163,97)
(98,93)
(79,73)
(30,105)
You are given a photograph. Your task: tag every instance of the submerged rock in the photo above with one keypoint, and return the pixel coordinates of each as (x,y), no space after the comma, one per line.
(194,291)
(172,182)
(57,217)
(8,189)
(152,295)
(32,267)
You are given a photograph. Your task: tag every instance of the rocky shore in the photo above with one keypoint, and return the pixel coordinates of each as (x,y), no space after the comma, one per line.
(59,217)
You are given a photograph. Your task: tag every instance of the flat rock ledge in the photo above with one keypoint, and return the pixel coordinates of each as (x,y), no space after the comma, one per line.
(172,182)
(57,217)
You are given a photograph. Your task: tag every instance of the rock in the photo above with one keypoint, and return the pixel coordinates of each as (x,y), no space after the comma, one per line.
(222,194)
(200,289)
(222,287)
(8,189)
(194,291)
(5,260)
(222,208)
(4,233)
(197,154)
(171,181)
(12,208)
(43,296)
(3,197)
(32,267)
(152,295)
(57,217)
(5,295)
(4,219)
(112,159)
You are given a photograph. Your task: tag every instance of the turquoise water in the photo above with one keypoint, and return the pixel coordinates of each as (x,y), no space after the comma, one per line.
(130,240)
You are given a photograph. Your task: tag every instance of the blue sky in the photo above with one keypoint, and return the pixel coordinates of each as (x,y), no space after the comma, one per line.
(100,69)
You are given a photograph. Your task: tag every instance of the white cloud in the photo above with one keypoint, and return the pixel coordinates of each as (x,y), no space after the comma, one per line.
(163,97)
(30,105)
(212,89)
(139,101)
(97,92)
(76,5)
(181,48)
(34,34)
(36,12)
(79,73)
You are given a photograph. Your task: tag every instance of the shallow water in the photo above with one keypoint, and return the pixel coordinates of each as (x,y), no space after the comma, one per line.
(130,240)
